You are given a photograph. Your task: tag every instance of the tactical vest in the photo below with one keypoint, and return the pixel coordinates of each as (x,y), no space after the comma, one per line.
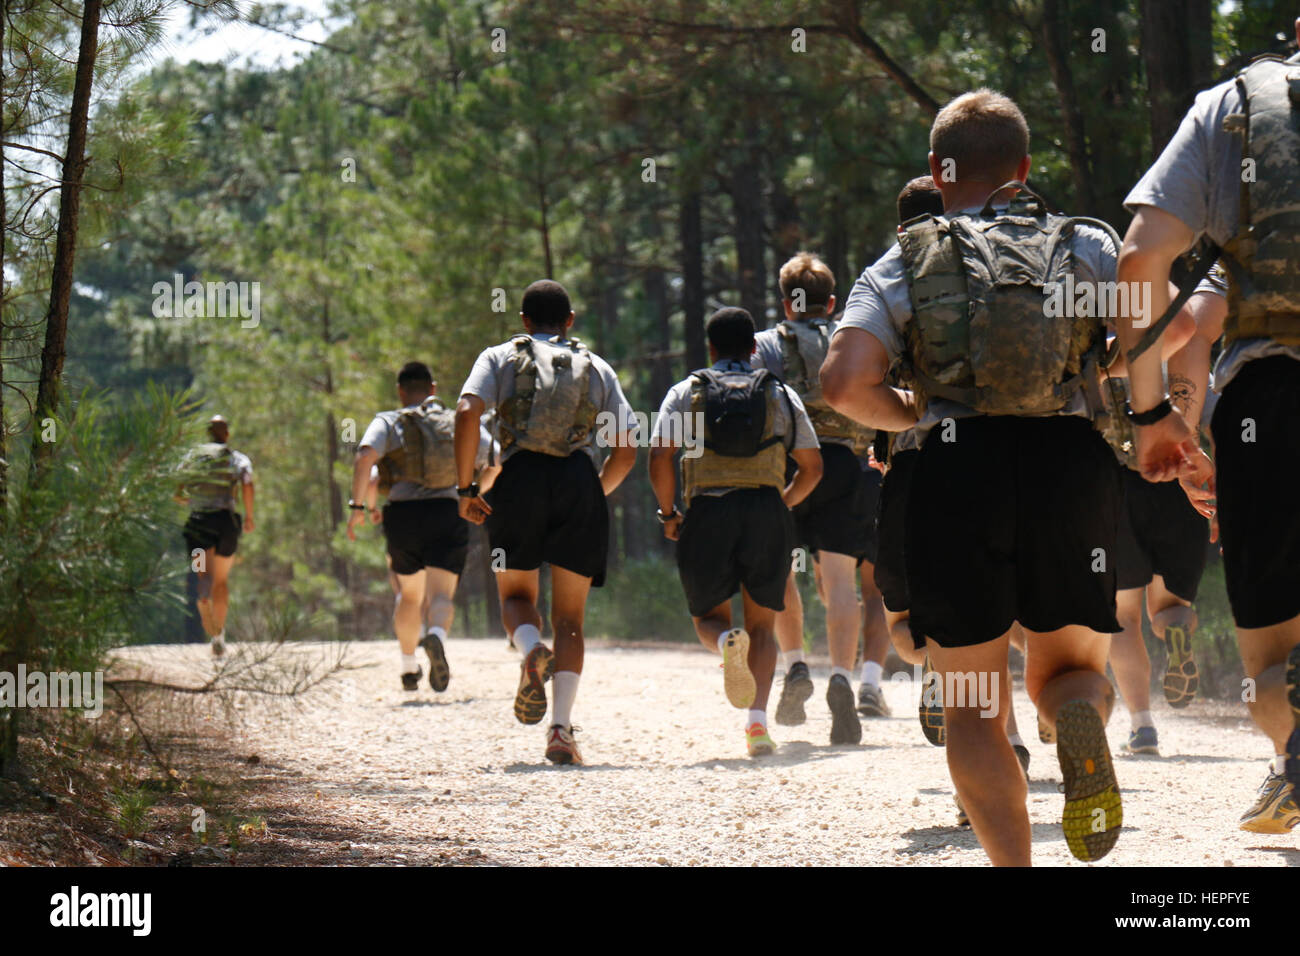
(213,466)
(712,470)
(427,455)
(981,334)
(1264,256)
(551,409)
(1115,426)
(804,345)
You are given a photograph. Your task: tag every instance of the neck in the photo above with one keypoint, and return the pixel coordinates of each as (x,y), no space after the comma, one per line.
(973,194)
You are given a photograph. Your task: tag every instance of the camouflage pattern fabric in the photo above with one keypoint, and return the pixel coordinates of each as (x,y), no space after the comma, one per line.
(427,455)
(551,409)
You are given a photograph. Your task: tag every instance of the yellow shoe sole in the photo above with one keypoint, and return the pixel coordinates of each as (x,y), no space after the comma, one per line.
(737,680)
(1093,811)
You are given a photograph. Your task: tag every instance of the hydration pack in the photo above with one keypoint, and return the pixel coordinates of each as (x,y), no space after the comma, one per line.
(741,449)
(804,344)
(212,466)
(427,455)
(551,409)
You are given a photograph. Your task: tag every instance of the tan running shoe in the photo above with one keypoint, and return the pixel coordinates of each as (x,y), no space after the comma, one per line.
(736,677)
(561,747)
(1275,809)
(534,672)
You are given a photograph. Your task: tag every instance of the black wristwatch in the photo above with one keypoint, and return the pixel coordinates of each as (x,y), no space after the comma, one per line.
(665,518)
(471,491)
(356,505)
(1151,415)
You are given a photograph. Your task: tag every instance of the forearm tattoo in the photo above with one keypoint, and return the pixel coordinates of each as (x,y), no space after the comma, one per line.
(1182,393)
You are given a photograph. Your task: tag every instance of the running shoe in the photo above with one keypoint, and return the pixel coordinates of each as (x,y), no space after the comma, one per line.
(1022,754)
(218,646)
(534,672)
(1292,768)
(561,748)
(846,728)
(758,741)
(411,679)
(1093,811)
(1181,678)
(1144,740)
(1045,733)
(930,710)
(439,672)
(736,677)
(795,690)
(1275,809)
(871,701)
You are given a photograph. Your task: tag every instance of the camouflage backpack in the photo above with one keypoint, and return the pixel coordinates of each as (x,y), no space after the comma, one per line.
(427,455)
(981,335)
(1114,425)
(804,344)
(551,409)
(212,470)
(741,447)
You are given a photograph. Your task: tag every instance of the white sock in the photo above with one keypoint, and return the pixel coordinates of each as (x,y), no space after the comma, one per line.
(722,639)
(1143,718)
(756,717)
(1015,740)
(219,637)
(871,673)
(790,658)
(564,688)
(525,638)
(437,632)
(843,672)
(1278,764)
(409,664)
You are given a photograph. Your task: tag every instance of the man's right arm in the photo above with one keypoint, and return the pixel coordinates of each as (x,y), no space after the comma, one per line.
(364,460)
(853,382)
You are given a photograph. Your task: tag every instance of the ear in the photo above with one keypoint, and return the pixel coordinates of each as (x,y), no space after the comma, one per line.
(569,323)
(830,306)
(788,306)
(1022,171)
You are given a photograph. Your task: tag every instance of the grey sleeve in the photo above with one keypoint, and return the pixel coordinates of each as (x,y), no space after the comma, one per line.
(669,426)
(379,436)
(880,304)
(614,402)
(484,379)
(1095,255)
(767,353)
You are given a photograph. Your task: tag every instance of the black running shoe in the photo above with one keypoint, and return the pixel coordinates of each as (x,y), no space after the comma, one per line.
(411,679)
(846,726)
(439,672)
(795,690)
(1022,754)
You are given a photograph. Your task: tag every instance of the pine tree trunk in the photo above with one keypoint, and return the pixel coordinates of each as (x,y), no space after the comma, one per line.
(1177,56)
(692,239)
(65,244)
(747,203)
(1076,140)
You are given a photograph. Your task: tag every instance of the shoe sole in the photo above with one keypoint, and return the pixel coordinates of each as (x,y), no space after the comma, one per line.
(1093,811)
(439,672)
(761,750)
(931,717)
(1266,826)
(530,699)
(737,680)
(794,694)
(1292,768)
(1182,678)
(1150,751)
(845,726)
(563,758)
(1045,733)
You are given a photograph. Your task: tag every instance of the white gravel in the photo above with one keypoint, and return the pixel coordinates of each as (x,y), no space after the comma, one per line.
(667,780)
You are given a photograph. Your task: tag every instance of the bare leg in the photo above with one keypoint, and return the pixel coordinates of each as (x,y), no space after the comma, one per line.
(875,629)
(789,622)
(760,623)
(406,613)
(842,610)
(1128,653)
(1263,655)
(568,611)
(439,590)
(219,568)
(518,592)
(900,635)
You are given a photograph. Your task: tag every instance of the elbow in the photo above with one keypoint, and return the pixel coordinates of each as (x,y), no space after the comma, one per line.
(834,386)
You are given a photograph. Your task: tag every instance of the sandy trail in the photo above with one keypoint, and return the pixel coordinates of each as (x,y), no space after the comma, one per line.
(667,781)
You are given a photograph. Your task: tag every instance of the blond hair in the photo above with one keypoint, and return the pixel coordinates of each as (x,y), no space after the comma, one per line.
(985,135)
(805,271)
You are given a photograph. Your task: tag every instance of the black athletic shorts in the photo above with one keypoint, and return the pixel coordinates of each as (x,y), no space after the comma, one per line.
(213,529)
(1014,520)
(1256,430)
(546,508)
(1159,533)
(426,533)
(839,515)
(891,572)
(741,538)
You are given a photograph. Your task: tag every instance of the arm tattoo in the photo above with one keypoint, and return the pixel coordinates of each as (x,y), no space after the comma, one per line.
(1182,392)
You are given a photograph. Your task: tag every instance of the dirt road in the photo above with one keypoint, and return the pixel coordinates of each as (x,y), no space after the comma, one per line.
(406,776)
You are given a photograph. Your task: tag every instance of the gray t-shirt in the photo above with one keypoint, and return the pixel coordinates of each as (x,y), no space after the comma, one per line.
(385,435)
(1198,179)
(769,354)
(492,379)
(880,304)
(669,428)
(243,470)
